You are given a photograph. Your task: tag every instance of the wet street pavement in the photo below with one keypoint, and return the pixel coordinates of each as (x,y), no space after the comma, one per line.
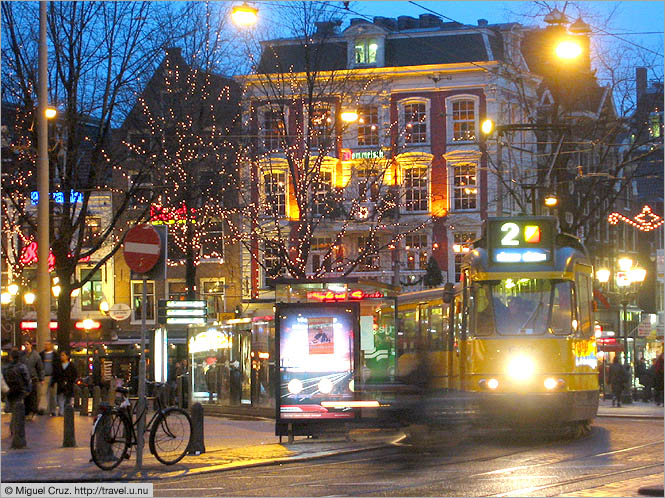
(619,456)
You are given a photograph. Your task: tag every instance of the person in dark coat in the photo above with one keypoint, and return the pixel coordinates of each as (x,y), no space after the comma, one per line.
(658,380)
(17,377)
(644,375)
(65,376)
(617,380)
(236,383)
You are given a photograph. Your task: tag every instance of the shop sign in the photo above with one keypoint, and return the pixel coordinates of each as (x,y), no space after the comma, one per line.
(349,155)
(163,215)
(332,296)
(210,340)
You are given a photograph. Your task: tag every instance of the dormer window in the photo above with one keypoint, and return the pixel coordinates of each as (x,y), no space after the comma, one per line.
(365,51)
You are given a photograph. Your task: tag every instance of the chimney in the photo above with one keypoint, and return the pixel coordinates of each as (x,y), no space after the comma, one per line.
(640,81)
(482,22)
(327,28)
(407,22)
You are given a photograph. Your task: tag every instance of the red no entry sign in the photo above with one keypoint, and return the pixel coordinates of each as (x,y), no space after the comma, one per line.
(142,248)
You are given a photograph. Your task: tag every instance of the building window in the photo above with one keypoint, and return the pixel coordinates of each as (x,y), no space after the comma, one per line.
(367,250)
(274,189)
(368,125)
(137,297)
(415,189)
(212,241)
(321,127)
(321,193)
(272,262)
(365,51)
(93,228)
(321,254)
(465,186)
(464,120)
(272,128)
(655,124)
(214,293)
(415,123)
(177,291)
(461,246)
(91,291)
(416,246)
(368,182)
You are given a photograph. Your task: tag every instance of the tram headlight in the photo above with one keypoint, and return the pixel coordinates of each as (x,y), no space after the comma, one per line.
(492,384)
(552,383)
(325,386)
(294,386)
(520,368)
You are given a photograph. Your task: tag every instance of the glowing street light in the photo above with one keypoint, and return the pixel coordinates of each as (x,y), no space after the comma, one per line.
(5,298)
(244,15)
(50,112)
(29,297)
(13,289)
(349,116)
(487,127)
(551,200)
(603,275)
(568,49)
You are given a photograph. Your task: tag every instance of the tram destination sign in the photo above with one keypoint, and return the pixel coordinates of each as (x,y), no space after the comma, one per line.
(174,312)
(521,240)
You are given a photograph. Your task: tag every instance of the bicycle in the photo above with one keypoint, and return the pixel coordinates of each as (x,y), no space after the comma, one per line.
(114,432)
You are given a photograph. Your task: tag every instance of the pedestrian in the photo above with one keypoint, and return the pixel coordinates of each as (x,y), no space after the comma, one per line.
(658,380)
(47,402)
(236,383)
(33,361)
(617,380)
(644,374)
(65,376)
(17,377)
(211,382)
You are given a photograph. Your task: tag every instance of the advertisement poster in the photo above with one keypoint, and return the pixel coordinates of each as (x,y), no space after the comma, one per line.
(317,349)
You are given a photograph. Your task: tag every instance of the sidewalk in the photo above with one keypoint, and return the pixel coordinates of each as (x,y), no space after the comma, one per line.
(638,409)
(229,444)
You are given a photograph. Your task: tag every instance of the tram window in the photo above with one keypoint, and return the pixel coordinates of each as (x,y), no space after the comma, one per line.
(409,329)
(436,328)
(562,309)
(584,302)
(482,315)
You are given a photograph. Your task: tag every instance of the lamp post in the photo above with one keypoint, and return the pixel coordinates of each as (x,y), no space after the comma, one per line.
(628,273)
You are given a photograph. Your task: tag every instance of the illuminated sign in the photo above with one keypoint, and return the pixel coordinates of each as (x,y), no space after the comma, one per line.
(210,340)
(368,154)
(162,215)
(32,325)
(29,256)
(88,324)
(521,240)
(172,312)
(58,197)
(332,296)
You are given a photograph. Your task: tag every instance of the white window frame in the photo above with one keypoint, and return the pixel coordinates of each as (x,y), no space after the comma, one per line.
(316,145)
(364,42)
(268,211)
(403,123)
(214,259)
(136,317)
(282,271)
(458,256)
(263,132)
(319,195)
(168,286)
(368,126)
(450,119)
(83,271)
(321,252)
(205,295)
(453,188)
(417,252)
(405,206)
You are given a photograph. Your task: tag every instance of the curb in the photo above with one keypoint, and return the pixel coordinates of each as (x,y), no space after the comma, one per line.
(212,468)
(651,490)
(617,415)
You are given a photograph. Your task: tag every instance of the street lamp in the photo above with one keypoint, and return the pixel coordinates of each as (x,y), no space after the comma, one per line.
(244,15)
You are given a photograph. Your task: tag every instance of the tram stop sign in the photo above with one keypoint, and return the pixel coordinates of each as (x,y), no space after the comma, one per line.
(142,248)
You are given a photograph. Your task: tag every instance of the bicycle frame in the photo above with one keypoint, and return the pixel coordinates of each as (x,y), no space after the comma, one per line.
(126,407)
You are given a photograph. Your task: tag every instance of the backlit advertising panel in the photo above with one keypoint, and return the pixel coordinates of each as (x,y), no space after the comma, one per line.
(317,348)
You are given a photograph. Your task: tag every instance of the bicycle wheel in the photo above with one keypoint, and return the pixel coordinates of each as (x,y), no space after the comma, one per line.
(170,434)
(110,440)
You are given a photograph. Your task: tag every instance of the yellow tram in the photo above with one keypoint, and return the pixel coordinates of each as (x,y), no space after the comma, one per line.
(516,334)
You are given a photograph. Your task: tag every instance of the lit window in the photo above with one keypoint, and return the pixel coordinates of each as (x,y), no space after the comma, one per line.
(415,189)
(213,292)
(415,246)
(368,182)
(93,226)
(321,126)
(368,254)
(465,186)
(272,129)
(91,291)
(137,298)
(368,125)
(321,254)
(212,241)
(415,123)
(655,124)
(464,121)
(461,246)
(321,193)
(272,260)
(274,189)
(365,51)
(177,291)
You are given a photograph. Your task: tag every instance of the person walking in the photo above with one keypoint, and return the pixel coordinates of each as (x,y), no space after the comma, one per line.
(33,361)
(617,380)
(65,376)
(658,380)
(18,381)
(47,402)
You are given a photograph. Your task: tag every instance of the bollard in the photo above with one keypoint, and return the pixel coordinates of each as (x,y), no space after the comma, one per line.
(77,397)
(289,431)
(165,395)
(18,425)
(69,436)
(84,402)
(96,399)
(179,392)
(196,443)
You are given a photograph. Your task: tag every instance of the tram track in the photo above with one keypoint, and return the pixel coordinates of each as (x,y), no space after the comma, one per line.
(363,477)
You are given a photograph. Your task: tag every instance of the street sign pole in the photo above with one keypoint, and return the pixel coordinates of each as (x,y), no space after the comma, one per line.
(141,390)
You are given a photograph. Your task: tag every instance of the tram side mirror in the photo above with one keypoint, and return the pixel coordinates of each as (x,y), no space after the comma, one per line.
(448,292)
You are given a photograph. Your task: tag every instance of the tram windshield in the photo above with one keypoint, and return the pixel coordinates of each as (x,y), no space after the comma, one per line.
(522,307)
